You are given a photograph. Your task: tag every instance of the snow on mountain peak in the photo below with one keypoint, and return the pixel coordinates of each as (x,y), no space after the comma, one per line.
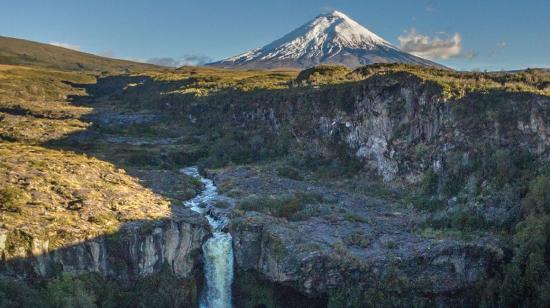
(337,14)
(351,32)
(328,38)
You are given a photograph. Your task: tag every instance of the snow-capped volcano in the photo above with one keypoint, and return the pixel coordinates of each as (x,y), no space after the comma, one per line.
(329,38)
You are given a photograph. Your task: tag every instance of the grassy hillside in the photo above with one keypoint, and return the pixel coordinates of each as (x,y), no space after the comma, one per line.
(22,52)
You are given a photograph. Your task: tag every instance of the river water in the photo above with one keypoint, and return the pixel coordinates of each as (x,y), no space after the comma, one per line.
(217,251)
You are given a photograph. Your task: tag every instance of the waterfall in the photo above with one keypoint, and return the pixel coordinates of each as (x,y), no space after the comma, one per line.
(217,251)
(218,268)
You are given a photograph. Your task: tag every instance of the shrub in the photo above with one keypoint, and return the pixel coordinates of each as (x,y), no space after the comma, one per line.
(429,183)
(287,206)
(526,277)
(289,172)
(68,291)
(144,159)
(425,202)
(13,198)
(537,200)
(221,205)
(352,217)
(358,239)
(19,294)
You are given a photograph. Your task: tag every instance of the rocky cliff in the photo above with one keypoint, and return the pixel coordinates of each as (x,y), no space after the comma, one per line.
(469,151)
(397,124)
(137,250)
(360,248)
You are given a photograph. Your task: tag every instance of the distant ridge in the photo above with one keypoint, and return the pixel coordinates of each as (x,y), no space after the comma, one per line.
(328,38)
(22,52)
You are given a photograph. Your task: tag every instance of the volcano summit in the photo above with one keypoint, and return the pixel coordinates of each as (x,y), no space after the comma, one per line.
(329,38)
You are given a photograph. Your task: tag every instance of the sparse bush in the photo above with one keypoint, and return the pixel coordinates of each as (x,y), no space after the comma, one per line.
(323,74)
(537,200)
(429,183)
(289,172)
(13,198)
(68,291)
(221,205)
(143,158)
(287,206)
(19,294)
(358,239)
(352,217)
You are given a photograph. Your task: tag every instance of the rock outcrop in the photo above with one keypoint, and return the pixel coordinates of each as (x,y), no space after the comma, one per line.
(443,271)
(398,124)
(139,249)
(354,244)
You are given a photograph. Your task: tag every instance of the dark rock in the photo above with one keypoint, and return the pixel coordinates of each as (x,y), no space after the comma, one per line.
(322,254)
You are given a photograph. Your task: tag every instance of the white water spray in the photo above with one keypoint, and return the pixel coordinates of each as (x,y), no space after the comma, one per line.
(218,250)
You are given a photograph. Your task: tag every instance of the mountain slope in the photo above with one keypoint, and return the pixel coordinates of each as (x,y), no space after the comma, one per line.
(22,52)
(329,38)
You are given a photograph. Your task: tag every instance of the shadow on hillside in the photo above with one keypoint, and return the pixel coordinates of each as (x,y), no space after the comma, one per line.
(139,248)
(150,128)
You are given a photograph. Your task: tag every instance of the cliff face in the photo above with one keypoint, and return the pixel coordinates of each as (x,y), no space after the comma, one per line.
(443,271)
(138,250)
(399,125)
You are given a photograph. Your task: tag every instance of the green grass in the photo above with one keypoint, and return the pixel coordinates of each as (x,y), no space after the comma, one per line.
(323,75)
(455,84)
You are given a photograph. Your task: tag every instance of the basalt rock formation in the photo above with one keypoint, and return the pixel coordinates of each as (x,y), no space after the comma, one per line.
(136,251)
(399,125)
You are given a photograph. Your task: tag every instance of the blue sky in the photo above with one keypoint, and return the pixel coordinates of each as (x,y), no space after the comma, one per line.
(467,34)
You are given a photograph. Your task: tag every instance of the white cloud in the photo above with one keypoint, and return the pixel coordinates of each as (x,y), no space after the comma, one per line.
(442,46)
(65,45)
(181,61)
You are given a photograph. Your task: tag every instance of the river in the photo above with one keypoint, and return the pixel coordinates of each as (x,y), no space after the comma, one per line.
(217,251)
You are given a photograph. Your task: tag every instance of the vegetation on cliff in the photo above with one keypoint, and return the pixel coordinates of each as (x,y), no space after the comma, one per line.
(89,290)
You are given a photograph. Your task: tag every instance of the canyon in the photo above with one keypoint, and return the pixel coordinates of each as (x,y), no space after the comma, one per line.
(388,187)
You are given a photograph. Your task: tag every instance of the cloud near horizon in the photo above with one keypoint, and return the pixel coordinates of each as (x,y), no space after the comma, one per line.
(500,46)
(65,45)
(443,46)
(192,60)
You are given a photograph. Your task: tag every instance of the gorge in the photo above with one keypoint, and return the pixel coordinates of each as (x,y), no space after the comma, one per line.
(330,187)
